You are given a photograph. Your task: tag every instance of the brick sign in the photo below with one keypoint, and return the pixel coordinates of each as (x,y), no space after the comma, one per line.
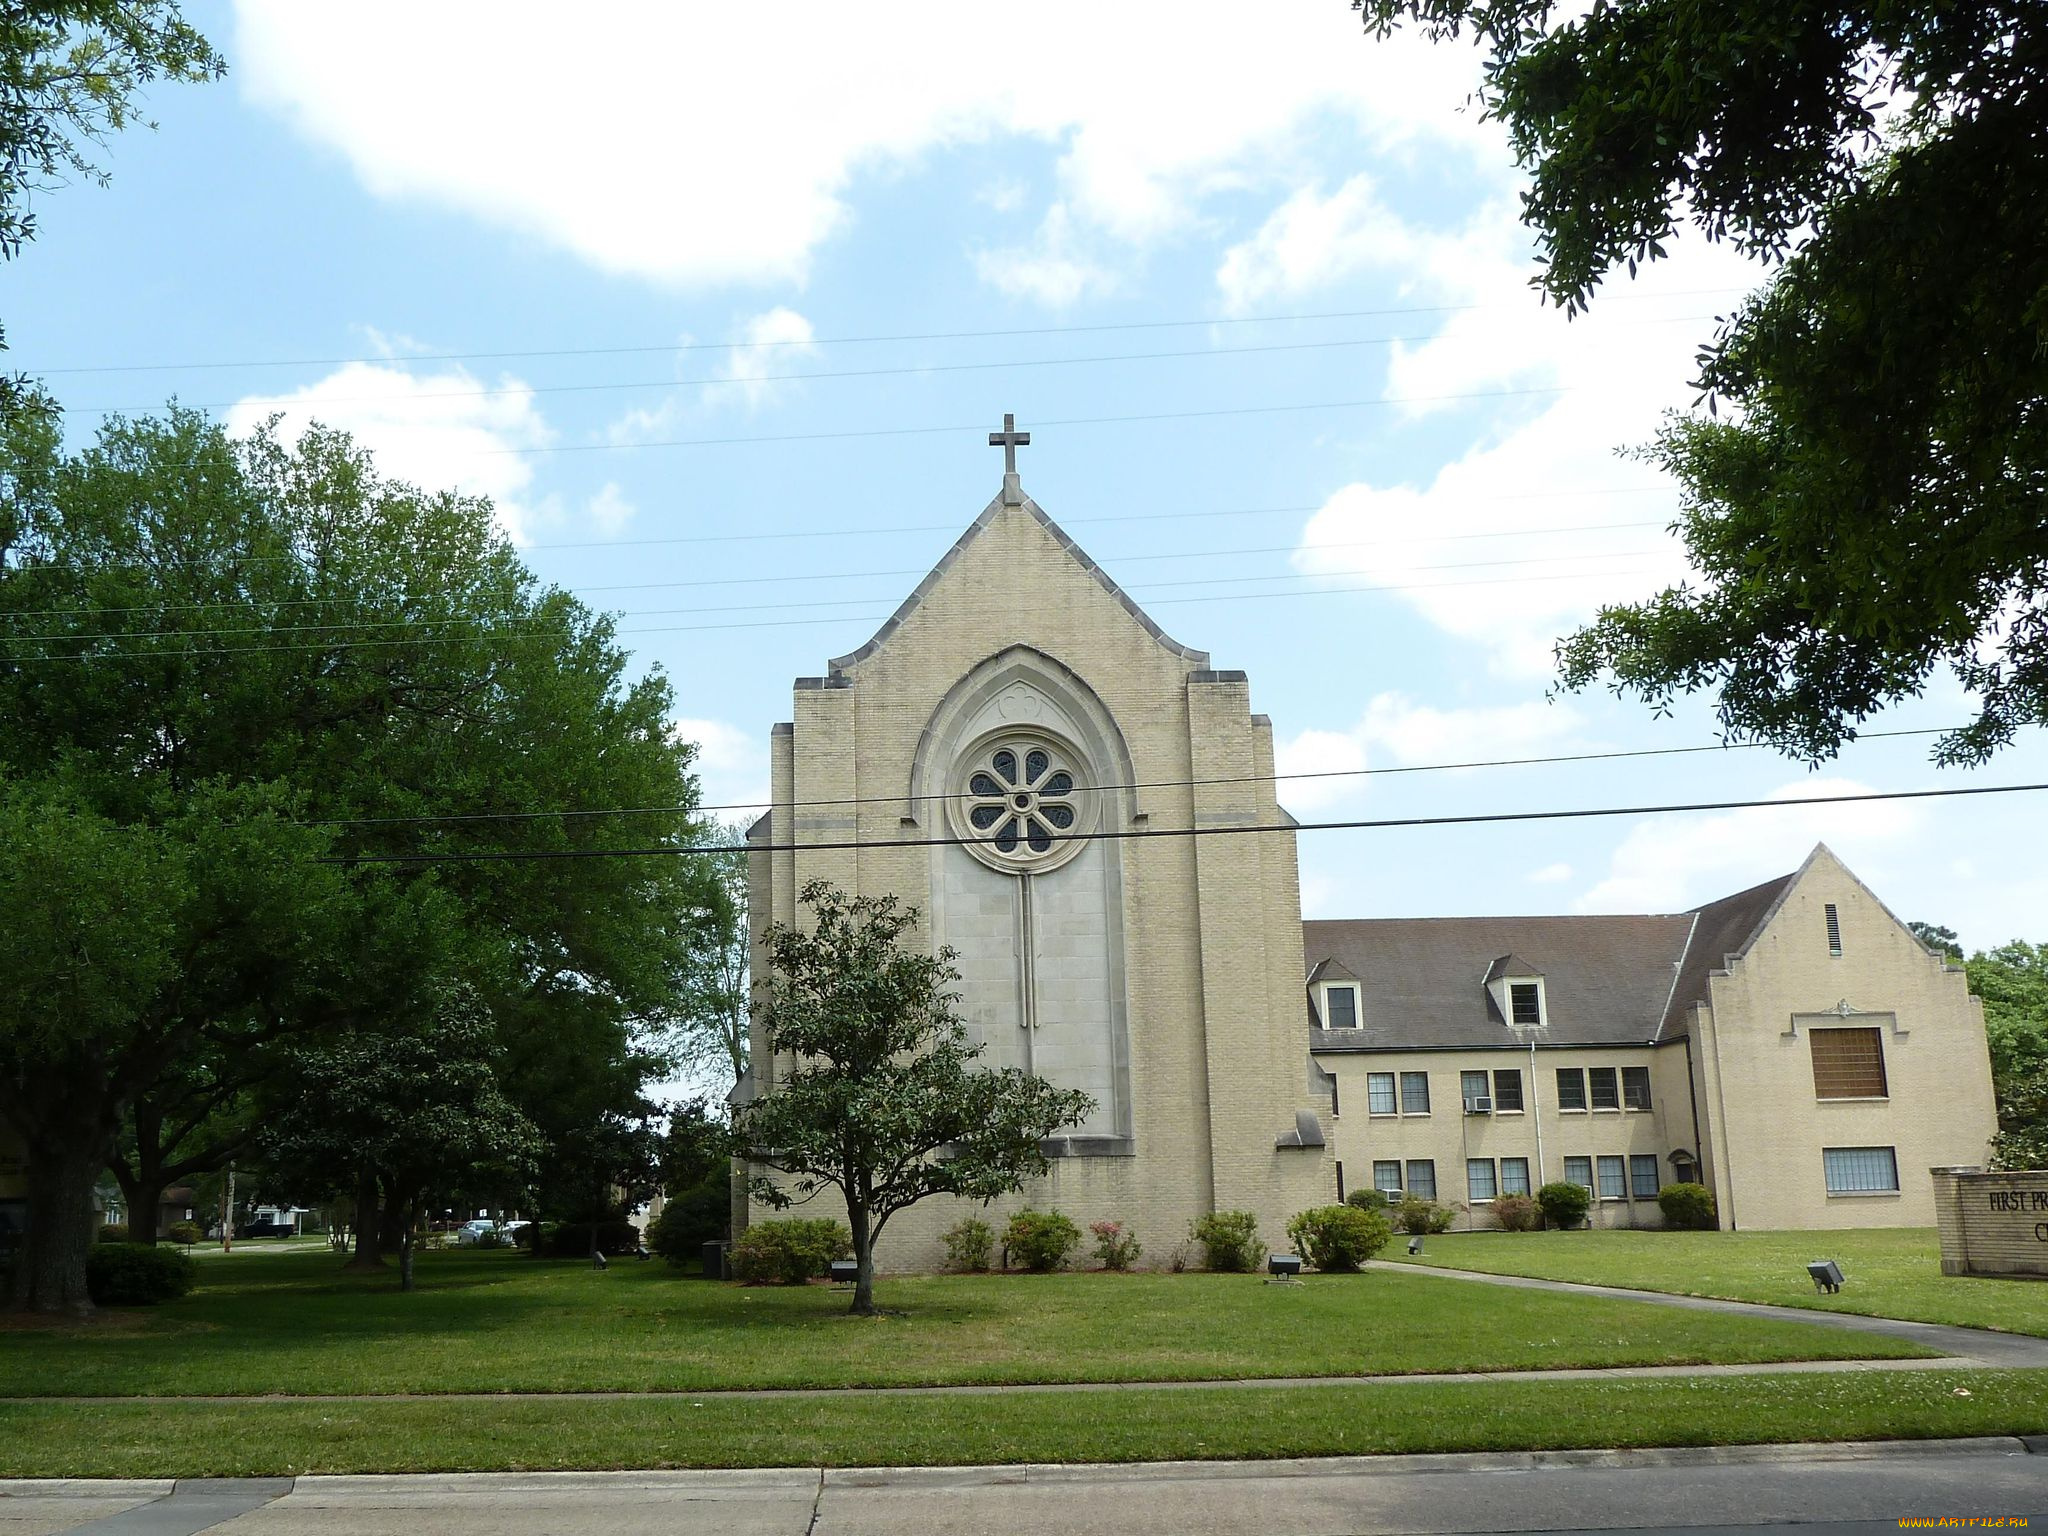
(1991,1223)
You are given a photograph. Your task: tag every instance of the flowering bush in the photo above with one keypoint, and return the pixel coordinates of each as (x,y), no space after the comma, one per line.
(1517,1213)
(1040,1240)
(969,1244)
(1114,1247)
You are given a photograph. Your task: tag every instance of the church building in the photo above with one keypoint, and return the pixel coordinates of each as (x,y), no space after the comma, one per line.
(1019,753)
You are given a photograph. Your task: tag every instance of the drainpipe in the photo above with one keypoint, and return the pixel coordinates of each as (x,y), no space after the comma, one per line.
(1536,1114)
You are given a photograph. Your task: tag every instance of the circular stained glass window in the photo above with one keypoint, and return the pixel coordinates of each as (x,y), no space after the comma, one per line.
(1021,804)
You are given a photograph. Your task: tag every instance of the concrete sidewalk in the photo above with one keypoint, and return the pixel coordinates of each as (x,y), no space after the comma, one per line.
(1976,1346)
(1827,1488)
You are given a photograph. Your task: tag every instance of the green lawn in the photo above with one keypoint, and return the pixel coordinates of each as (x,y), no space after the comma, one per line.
(256,1438)
(500,1322)
(1890,1272)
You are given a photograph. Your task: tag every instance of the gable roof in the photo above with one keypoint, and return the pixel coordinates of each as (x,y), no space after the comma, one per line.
(1607,980)
(989,514)
(1721,928)
(1510,965)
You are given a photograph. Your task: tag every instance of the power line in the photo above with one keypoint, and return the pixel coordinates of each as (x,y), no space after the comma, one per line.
(455,817)
(747,343)
(284,402)
(69,636)
(542,633)
(1132,834)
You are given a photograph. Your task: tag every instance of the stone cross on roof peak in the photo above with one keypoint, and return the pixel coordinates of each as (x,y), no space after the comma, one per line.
(1010,440)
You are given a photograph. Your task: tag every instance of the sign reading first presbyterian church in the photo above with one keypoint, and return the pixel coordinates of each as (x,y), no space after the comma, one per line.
(1991,1223)
(997,756)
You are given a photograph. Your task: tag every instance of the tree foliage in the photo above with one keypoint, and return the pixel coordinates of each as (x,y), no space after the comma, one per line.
(883,1101)
(2012,981)
(1862,492)
(235,676)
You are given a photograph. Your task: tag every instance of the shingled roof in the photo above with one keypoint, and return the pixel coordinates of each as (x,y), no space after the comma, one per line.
(1606,980)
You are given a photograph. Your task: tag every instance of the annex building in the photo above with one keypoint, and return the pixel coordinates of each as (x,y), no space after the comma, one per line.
(1032,745)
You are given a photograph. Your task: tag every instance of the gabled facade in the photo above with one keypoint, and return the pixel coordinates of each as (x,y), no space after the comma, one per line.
(1793,1046)
(1022,715)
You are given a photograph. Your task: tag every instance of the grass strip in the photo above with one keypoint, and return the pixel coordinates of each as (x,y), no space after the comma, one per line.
(277,1439)
(1891,1271)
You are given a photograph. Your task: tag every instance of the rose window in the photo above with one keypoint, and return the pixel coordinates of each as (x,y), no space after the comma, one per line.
(1021,802)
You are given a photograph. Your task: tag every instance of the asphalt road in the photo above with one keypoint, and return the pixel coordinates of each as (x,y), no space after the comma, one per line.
(1823,1490)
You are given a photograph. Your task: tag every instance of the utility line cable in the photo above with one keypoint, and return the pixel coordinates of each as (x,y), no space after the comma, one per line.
(1132,834)
(285,402)
(1098,789)
(744,343)
(417,620)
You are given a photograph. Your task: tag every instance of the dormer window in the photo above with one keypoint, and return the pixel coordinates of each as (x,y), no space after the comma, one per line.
(1526,1000)
(1340,1005)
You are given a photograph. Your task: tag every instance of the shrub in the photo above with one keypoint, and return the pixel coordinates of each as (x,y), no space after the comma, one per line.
(1564,1204)
(1040,1240)
(186,1232)
(1417,1216)
(698,1215)
(130,1275)
(1687,1205)
(492,1240)
(1336,1239)
(1367,1199)
(571,1239)
(969,1244)
(114,1234)
(1517,1213)
(1114,1247)
(789,1252)
(1231,1240)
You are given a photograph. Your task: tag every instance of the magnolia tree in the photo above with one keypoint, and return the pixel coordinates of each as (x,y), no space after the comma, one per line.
(884,1102)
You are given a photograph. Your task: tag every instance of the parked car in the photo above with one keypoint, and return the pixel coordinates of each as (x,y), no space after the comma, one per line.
(265,1228)
(470,1233)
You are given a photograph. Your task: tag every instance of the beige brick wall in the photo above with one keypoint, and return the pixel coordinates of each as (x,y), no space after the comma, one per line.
(1991,1223)
(1772,1128)
(1212,936)
(1449,1137)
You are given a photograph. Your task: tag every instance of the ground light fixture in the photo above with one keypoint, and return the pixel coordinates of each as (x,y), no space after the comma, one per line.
(845,1273)
(1827,1276)
(1415,1245)
(1283,1267)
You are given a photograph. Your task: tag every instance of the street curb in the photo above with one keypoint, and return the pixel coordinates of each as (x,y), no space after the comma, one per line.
(464,1485)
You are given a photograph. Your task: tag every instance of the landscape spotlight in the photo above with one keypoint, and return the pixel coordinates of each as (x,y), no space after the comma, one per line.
(1827,1275)
(1284,1266)
(845,1272)
(1415,1245)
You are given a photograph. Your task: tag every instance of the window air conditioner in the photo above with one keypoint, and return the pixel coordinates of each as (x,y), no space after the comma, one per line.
(1479,1106)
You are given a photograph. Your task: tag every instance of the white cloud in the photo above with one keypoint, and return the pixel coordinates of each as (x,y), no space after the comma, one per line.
(1550,874)
(1516,559)
(731,766)
(1669,863)
(1052,270)
(1397,732)
(776,342)
(704,144)
(441,431)
(610,510)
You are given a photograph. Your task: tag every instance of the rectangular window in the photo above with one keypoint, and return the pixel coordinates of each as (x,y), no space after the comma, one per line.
(1340,1181)
(1613,1179)
(1861,1170)
(1336,1099)
(1414,1093)
(1471,1086)
(1514,1175)
(1642,1175)
(1606,1095)
(1422,1179)
(1525,999)
(1479,1178)
(1834,930)
(1579,1171)
(1847,1063)
(1571,1088)
(1342,1006)
(1507,1089)
(1379,1093)
(1635,1087)
(1386,1177)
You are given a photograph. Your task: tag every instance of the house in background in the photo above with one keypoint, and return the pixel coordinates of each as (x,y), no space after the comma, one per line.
(1793,1047)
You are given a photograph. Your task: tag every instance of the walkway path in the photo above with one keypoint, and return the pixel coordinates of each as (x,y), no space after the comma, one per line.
(1978,1346)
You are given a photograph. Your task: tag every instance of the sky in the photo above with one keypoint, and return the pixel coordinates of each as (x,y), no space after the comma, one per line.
(718,305)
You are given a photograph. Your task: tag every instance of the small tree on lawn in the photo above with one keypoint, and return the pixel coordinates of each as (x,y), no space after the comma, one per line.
(884,1102)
